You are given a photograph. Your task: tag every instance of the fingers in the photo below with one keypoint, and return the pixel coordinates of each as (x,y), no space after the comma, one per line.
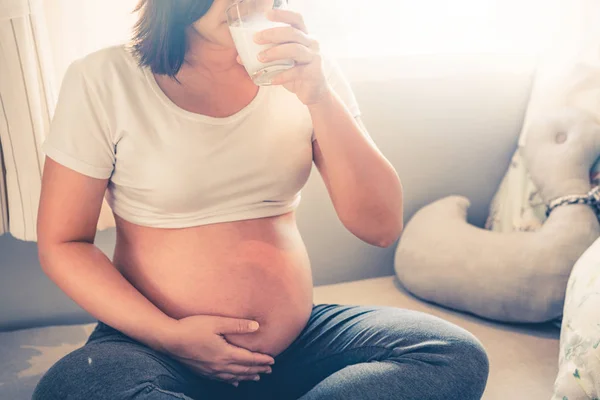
(286,76)
(227,372)
(237,369)
(226,368)
(297,52)
(288,17)
(233,378)
(238,355)
(285,34)
(226,325)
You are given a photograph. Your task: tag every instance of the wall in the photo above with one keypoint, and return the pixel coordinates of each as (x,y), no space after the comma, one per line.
(448,124)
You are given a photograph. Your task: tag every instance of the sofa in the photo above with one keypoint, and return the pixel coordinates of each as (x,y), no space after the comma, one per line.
(448,123)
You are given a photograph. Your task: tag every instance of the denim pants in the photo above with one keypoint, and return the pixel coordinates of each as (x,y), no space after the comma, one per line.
(344,352)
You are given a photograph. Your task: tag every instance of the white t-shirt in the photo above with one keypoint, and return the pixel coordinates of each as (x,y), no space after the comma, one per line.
(171,168)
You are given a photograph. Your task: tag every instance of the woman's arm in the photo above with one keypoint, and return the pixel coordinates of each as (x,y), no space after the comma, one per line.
(69,209)
(364,187)
(68,213)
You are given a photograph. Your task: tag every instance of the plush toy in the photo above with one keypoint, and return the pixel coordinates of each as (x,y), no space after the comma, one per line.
(515,276)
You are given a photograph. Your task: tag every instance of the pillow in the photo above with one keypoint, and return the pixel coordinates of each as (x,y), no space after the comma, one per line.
(25,355)
(579,361)
(512,276)
(568,76)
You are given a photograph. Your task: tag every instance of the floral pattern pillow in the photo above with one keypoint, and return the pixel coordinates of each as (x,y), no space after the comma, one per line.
(579,364)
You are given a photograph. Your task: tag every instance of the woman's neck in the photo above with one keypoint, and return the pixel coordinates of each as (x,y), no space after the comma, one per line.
(211,60)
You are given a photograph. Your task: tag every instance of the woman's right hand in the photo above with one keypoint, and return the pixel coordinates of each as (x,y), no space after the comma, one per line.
(198,342)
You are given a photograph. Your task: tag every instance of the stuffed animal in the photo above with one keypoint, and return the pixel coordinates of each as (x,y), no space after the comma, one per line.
(515,276)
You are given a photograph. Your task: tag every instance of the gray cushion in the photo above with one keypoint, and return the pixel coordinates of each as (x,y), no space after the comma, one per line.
(26,355)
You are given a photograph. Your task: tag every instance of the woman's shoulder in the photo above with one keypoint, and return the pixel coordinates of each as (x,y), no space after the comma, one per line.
(110,65)
(109,75)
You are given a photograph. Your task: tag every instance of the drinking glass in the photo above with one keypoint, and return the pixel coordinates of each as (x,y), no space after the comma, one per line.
(245,19)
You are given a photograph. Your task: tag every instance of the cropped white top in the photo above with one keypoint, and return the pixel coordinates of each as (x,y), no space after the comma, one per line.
(171,168)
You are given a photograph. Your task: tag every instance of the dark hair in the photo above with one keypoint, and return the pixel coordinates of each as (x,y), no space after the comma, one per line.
(159,36)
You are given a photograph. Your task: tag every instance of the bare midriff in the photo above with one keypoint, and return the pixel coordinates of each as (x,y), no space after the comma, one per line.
(256,269)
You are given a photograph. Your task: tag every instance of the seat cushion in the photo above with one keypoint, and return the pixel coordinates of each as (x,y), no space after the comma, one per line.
(523,358)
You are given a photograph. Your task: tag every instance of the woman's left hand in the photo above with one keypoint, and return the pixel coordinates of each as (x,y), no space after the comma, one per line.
(306,79)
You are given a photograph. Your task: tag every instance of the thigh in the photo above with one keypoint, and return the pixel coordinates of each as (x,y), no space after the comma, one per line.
(338,336)
(113,366)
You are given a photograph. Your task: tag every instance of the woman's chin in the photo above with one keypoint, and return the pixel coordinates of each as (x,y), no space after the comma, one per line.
(228,42)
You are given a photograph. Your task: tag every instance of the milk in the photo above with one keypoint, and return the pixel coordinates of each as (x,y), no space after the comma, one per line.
(243,36)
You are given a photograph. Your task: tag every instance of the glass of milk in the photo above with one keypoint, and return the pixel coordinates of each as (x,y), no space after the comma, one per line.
(245,19)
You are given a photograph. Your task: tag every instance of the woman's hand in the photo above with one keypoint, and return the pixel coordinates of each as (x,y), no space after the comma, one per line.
(306,79)
(198,343)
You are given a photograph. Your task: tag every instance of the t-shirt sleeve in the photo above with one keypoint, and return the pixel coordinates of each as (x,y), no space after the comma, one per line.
(80,137)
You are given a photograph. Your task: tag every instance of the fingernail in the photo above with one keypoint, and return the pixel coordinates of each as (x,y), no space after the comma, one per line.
(258,37)
(236,384)
(271,362)
(262,56)
(253,325)
(269,371)
(256,378)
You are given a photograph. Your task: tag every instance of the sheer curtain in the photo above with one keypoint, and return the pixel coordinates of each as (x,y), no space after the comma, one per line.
(26,103)
(38,40)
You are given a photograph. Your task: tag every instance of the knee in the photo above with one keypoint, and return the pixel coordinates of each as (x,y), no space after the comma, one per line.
(468,366)
(109,371)
(80,373)
(56,382)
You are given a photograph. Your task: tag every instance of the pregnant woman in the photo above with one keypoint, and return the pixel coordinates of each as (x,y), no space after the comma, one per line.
(209,293)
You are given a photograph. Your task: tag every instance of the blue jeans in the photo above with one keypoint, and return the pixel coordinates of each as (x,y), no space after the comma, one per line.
(344,352)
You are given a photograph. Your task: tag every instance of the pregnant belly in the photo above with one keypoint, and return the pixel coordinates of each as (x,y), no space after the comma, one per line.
(256,269)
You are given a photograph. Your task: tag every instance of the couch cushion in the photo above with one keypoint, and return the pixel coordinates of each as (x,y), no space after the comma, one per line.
(523,358)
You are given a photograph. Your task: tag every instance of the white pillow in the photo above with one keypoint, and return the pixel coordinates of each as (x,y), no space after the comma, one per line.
(579,363)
